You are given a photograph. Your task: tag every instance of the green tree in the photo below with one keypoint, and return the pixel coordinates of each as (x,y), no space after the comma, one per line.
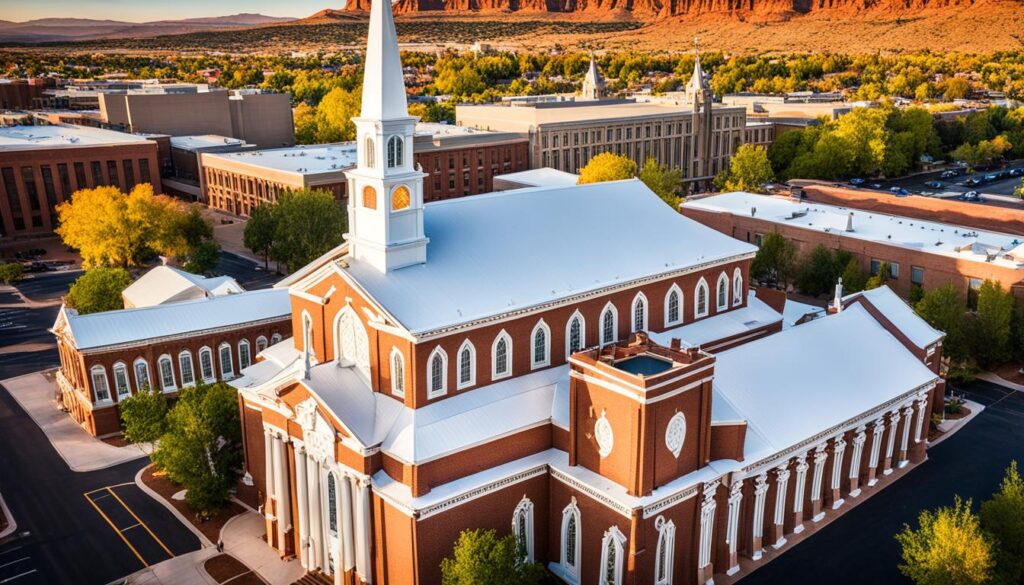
(144,416)
(259,232)
(817,272)
(203,258)
(993,319)
(775,260)
(663,181)
(948,548)
(187,230)
(853,277)
(607,167)
(481,557)
(11,272)
(201,450)
(1019,191)
(880,277)
(99,290)
(944,309)
(749,170)
(308,224)
(1003,518)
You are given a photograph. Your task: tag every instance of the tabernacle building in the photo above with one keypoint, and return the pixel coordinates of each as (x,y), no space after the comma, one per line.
(579,365)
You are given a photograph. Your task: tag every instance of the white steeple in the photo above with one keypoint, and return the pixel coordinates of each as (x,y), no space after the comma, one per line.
(593,83)
(385,191)
(697,81)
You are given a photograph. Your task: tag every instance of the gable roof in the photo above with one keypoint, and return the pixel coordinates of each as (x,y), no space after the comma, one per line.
(499,253)
(900,314)
(165,284)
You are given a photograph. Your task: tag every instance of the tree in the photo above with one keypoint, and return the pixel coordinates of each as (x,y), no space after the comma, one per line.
(817,272)
(308,224)
(201,449)
(1003,518)
(259,232)
(663,181)
(853,277)
(334,115)
(607,167)
(99,290)
(188,229)
(144,416)
(203,258)
(749,170)
(992,322)
(482,557)
(774,263)
(949,548)
(944,309)
(11,272)
(304,120)
(1019,191)
(880,277)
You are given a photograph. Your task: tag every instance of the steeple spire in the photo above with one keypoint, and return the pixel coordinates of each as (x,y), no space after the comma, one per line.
(383,82)
(593,84)
(697,80)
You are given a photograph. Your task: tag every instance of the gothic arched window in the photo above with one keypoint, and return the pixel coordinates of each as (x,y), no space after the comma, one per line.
(574,335)
(437,374)
(639,313)
(608,325)
(467,365)
(501,356)
(673,306)
(395,154)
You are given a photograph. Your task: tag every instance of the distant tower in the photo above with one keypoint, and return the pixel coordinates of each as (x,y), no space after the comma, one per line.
(385,191)
(593,83)
(698,93)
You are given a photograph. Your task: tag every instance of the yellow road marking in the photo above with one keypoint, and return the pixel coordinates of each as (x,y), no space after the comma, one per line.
(139,520)
(107,518)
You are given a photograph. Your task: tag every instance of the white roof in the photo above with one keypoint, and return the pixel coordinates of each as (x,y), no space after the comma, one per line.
(795,384)
(755,315)
(302,159)
(945,239)
(900,314)
(199,142)
(500,252)
(793,311)
(148,323)
(61,135)
(165,284)
(542,177)
(442,129)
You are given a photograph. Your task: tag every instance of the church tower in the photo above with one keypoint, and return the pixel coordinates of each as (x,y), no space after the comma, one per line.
(699,95)
(593,84)
(385,190)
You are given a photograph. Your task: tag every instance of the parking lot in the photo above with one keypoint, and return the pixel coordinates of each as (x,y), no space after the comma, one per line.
(955,187)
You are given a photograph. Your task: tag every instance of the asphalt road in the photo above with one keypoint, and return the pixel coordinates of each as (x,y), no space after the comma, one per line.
(62,537)
(859,547)
(48,286)
(245,271)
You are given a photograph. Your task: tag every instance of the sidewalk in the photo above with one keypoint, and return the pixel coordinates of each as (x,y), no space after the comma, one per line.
(949,427)
(186,569)
(243,539)
(80,450)
(1000,381)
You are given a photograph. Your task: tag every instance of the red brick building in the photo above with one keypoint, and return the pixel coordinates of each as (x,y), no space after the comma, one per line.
(578,365)
(41,166)
(920,252)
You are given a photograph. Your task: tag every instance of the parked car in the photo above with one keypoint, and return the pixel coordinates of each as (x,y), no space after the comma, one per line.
(971,182)
(875,185)
(1016,172)
(857,182)
(934,184)
(971,196)
(949,174)
(992,177)
(894,190)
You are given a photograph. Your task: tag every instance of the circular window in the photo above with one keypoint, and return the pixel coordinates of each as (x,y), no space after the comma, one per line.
(675,433)
(400,198)
(369,197)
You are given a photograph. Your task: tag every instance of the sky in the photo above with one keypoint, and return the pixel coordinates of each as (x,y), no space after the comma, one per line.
(146,10)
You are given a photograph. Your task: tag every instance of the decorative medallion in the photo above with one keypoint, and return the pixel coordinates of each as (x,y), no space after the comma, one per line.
(675,434)
(317,433)
(603,434)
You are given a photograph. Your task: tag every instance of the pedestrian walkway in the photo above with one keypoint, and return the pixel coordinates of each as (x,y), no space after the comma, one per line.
(80,450)
(243,539)
(185,569)
(995,379)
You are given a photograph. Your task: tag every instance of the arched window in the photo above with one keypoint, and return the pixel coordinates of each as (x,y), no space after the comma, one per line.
(609,325)
(227,367)
(522,527)
(570,558)
(188,374)
(397,373)
(737,287)
(437,373)
(275,339)
(332,504)
(368,153)
(352,346)
(100,388)
(673,306)
(261,344)
(723,292)
(395,154)
(121,384)
(639,313)
(540,354)
(501,356)
(575,335)
(664,553)
(141,374)
(400,198)
(206,364)
(700,299)
(612,547)
(307,333)
(369,197)
(467,365)
(166,367)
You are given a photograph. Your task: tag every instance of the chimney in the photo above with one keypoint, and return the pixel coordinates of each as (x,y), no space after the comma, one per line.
(837,303)
(849,222)
(675,343)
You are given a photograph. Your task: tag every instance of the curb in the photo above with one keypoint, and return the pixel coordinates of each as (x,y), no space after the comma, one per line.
(11,524)
(1000,381)
(205,542)
(223,528)
(976,409)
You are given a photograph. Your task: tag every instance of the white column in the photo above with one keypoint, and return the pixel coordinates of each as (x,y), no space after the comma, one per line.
(921,403)
(820,456)
(760,489)
(798,493)
(282,504)
(363,530)
(733,525)
(908,412)
(339,570)
(858,451)
(707,531)
(301,496)
(838,449)
(348,560)
(894,422)
(781,482)
(315,513)
(268,464)
(876,444)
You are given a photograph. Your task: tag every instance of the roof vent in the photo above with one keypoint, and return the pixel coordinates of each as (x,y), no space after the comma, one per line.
(753,211)
(849,222)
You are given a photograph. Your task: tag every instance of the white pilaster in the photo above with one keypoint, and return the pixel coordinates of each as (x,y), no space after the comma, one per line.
(301,493)
(921,404)
(760,489)
(733,525)
(798,492)
(348,557)
(282,504)
(707,530)
(364,535)
(894,422)
(781,483)
(316,512)
(908,412)
(858,451)
(268,464)
(876,444)
(820,456)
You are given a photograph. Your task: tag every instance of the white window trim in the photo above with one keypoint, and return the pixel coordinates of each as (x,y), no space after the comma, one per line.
(615,324)
(213,365)
(220,361)
(160,372)
(639,298)
(525,506)
(261,341)
(191,367)
(570,573)
(248,347)
(431,393)
(614,535)
(127,381)
(396,389)
(541,326)
(679,292)
(459,384)
(701,284)
(135,371)
(307,332)
(722,301)
(99,369)
(667,537)
(737,287)
(583,332)
(495,375)
(275,339)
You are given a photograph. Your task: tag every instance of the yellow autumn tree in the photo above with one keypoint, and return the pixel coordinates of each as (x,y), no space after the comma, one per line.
(607,167)
(949,548)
